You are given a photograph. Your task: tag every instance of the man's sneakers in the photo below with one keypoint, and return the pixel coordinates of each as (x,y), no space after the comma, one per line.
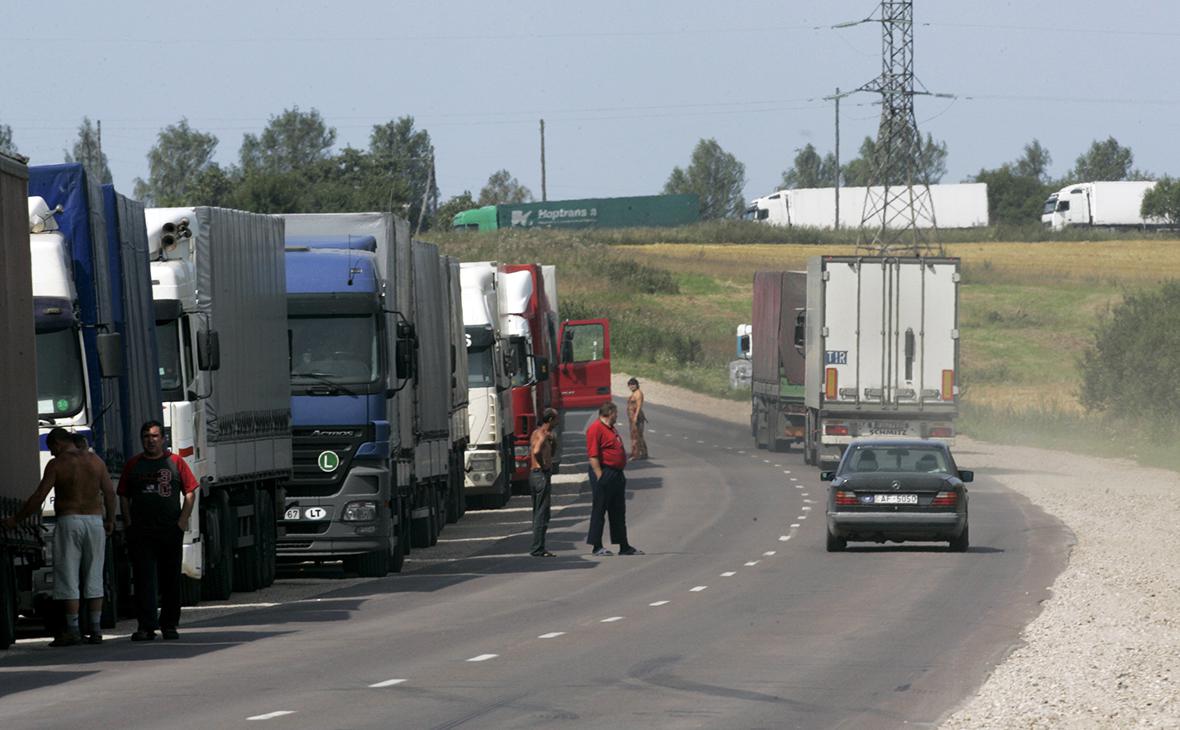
(95,637)
(602,553)
(143,636)
(631,550)
(544,554)
(68,638)
(170,634)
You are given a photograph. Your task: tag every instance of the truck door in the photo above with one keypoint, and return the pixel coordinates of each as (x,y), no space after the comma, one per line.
(584,370)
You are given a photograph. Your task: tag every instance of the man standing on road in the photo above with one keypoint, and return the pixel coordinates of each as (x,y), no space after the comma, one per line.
(604,447)
(82,496)
(542,444)
(152,489)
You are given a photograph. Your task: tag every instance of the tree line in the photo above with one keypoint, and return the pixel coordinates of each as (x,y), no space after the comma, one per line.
(293,165)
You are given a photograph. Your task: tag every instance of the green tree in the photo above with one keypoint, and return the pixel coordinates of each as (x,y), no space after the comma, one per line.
(7,146)
(181,154)
(1163,201)
(715,177)
(1013,198)
(292,142)
(454,205)
(1105,160)
(402,165)
(865,169)
(810,170)
(1034,163)
(88,151)
(503,188)
(1130,369)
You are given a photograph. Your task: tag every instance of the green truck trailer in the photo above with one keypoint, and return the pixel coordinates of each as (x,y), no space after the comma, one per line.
(637,211)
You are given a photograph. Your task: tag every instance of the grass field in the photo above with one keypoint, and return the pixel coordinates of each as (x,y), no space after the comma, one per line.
(1028,311)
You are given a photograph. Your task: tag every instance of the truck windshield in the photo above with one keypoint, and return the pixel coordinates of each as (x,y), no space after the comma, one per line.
(1050,205)
(61,389)
(480,369)
(339,349)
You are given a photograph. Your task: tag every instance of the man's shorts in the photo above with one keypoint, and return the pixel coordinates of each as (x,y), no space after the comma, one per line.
(79,549)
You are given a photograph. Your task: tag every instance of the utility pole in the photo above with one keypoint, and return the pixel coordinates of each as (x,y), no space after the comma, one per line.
(898,208)
(544,195)
(836,225)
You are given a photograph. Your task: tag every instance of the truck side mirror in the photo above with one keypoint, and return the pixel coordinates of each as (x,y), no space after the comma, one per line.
(801,331)
(404,360)
(208,351)
(110,354)
(542,369)
(567,346)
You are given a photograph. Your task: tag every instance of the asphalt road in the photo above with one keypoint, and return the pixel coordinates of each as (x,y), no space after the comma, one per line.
(735,617)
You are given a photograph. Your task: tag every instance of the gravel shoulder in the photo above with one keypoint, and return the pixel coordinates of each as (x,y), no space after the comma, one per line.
(1105,650)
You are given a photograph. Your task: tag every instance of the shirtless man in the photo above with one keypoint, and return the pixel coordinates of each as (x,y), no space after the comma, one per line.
(83,494)
(542,444)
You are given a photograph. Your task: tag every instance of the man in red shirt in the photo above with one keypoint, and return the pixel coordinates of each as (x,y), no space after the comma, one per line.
(157,491)
(604,447)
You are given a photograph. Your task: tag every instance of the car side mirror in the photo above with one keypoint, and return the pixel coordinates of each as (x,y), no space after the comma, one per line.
(208,351)
(966,475)
(827,476)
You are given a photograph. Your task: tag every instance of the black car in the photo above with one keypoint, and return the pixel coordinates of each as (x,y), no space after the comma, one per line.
(897,490)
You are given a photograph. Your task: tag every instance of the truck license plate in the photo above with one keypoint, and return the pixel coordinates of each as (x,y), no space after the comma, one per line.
(886,428)
(895,499)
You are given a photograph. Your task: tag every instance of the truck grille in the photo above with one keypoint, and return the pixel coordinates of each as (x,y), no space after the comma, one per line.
(315,448)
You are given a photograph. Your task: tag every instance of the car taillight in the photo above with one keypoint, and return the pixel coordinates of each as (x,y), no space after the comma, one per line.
(945,499)
(942,432)
(845,498)
(836,429)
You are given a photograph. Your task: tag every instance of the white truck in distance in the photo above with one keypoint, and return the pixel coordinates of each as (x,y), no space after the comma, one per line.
(881,344)
(1114,204)
(960,205)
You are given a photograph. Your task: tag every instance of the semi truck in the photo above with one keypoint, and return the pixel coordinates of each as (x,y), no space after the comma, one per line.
(20,548)
(219,287)
(353,495)
(641,210)
(96,358)
(1114,204)
(460,425)
(777,414)
(958,205)
(488,461)
(881,348)
(531,341)
(741,369)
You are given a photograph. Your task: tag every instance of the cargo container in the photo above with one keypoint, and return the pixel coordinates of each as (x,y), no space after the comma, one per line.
(1105,204)
(637,211)
(777,415)
(959,205)
(881,343)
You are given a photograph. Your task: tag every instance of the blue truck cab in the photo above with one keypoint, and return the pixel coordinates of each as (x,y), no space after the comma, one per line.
(342,501)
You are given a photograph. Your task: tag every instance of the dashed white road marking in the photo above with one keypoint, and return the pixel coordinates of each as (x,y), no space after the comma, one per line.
(740,451)
(795,524)
(787,471)
(387,683)
(769,553)
(611,620)
(802,517)
(797,486)
(697,589)
(778,466)
(659,603)
(794,479)
(272,715)
(699,441)
(483,657)
(784,538)
(752,563)
(729,574)
(766,461)
(804,495)
(551,635)
(806,507)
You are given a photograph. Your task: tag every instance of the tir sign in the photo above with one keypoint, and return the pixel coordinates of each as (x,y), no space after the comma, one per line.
(328,461)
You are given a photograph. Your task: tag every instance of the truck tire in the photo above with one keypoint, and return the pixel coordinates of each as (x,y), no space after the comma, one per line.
(420,527)
(218,582)
(7,601)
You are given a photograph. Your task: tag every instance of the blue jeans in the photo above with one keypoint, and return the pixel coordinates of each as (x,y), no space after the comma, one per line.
(539,486)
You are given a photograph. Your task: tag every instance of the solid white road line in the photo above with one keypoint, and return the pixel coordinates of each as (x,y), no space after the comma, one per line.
(485,539)
(551,635)
(387,683)
(483,657)
(611,620)
(697,589)
(233,605)
(659,603)
(272,715)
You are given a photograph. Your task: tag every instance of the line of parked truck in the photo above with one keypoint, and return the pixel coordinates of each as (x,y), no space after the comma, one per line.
(340,390)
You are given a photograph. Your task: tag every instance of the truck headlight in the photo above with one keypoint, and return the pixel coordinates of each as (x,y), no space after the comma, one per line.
(359,512)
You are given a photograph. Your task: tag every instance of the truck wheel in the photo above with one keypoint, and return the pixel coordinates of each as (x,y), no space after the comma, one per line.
(420,527)
(218,582)
(398,556)
(7,601)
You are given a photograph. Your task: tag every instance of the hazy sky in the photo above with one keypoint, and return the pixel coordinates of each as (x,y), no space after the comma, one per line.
(626,88)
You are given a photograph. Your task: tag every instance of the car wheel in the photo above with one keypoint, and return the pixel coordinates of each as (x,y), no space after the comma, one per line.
(962,542)
(836,544)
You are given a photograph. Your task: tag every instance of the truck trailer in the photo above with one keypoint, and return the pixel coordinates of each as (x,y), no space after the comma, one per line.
(881,347)
(219,287)
(634,211)
(1114,204)
(20,548)
(777,414)
(958,205)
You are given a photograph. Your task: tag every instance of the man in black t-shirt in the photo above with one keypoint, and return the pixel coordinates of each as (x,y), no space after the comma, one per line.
(157,491)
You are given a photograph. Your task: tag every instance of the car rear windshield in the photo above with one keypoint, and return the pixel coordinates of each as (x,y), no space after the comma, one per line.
(865,459)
